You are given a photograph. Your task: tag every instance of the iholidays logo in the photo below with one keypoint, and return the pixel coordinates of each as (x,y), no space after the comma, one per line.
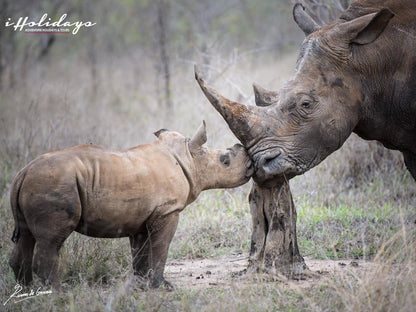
(46,25)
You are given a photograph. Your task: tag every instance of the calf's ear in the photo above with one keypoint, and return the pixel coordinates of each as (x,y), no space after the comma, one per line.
(367,28)
(158,132)
(200,137)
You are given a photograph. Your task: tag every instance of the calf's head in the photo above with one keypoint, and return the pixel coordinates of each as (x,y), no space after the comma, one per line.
(295,128)
(207,168)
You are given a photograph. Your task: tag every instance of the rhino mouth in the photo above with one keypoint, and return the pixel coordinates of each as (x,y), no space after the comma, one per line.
(278,165)
(274,167)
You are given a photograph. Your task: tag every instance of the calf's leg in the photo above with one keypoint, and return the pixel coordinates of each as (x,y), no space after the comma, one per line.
(150,250)
(22,255)
(46,263)
(50,235)
(140,252)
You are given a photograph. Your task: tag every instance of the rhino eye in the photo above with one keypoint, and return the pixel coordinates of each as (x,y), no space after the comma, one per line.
(306,104)
(225,159)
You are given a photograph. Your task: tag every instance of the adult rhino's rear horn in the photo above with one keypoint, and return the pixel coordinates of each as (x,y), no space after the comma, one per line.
(243,120)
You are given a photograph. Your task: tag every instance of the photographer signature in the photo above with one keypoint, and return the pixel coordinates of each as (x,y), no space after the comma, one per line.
(19,296)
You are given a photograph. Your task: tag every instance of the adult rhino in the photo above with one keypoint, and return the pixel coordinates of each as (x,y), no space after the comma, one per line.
(356,74)
(136,193)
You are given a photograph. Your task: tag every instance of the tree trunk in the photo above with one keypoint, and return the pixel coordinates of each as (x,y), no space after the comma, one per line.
(163,46)
(274,247)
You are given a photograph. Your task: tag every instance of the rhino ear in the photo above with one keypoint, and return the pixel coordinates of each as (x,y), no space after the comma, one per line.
(159,132)
(200,137)
(367,28)
(264,97)
(304,20)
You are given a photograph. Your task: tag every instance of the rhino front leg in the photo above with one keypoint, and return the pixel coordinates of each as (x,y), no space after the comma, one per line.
(150,250)
(140,251)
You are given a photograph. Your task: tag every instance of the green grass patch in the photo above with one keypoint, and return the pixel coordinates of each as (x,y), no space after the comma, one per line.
(350,227)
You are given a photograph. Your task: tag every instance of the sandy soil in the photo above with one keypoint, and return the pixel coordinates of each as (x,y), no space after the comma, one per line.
(223,271)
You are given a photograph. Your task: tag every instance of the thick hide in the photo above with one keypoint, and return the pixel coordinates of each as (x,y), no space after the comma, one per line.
(356,74)
(136,193)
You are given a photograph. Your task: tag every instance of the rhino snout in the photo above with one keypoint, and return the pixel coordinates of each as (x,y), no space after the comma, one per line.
(272,167)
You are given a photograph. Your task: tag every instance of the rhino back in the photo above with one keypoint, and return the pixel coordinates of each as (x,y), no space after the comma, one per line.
(105,193)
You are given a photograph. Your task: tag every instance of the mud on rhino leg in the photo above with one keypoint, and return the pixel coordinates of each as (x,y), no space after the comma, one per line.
(22,255)
(274,247)
(150,251)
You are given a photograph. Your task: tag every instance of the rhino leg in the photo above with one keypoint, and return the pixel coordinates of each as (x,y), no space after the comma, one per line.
(50,235)
(410,161)
(46,263)
(22,255)
(140,250)
(150,250)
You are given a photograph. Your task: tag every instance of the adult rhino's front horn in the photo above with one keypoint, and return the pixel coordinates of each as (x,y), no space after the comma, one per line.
(244,121)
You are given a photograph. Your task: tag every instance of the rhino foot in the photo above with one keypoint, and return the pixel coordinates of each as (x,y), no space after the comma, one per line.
(145,284)
(165,285)
(161,283)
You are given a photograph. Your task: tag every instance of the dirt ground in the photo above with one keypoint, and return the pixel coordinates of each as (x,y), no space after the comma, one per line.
(223,271)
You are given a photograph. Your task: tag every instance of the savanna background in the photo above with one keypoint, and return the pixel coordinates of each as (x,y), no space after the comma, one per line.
(131,74)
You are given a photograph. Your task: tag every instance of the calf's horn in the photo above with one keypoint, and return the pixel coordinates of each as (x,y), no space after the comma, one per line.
(243,120)
(200,136)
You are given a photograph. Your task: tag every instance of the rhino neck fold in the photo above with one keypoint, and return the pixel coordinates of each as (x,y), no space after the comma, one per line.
(189,171)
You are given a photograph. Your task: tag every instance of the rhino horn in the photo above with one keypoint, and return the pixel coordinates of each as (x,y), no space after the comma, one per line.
(200,136)
(243,120)
(264,97)
(303,19)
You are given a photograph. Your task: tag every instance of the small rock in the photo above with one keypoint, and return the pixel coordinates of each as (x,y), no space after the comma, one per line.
(208,273)
(354,263)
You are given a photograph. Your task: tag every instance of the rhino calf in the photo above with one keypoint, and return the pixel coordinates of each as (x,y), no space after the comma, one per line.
(136,193)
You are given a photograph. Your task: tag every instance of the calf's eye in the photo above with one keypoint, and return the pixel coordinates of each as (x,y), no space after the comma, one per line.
(225,159)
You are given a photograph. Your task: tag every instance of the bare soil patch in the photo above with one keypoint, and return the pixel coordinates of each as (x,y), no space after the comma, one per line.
(224,271)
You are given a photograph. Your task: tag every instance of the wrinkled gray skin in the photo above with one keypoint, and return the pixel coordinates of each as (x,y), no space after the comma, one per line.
(356,74)
(136,193)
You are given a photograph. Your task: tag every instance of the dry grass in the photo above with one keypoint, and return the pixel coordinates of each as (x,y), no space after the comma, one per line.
(357,204)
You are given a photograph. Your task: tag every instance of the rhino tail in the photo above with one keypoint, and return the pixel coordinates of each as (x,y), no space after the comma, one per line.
(14,203)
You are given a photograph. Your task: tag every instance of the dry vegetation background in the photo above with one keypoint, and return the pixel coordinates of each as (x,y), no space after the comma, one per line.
(116,83)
